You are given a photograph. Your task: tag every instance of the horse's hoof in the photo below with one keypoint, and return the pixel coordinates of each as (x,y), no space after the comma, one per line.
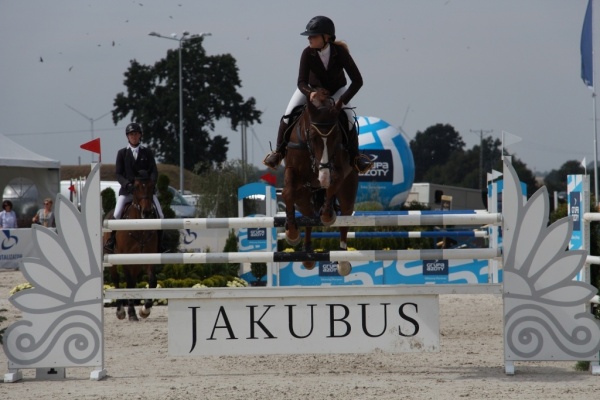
(344,268)
(121,314)
(145,312)
(133,317)
(308,264)
(293,241)
(328,221)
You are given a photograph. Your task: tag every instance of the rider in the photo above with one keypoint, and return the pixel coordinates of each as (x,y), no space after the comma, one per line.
(131,160)
(322,64)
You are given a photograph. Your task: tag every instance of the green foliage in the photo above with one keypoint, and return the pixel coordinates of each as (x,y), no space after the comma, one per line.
(259,270)
(210,93)
(220,186)
(109,200)
(440,158)
(231,244)
(434,147)
(556,180)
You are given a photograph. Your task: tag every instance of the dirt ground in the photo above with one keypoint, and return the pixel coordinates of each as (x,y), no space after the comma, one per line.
(469,365)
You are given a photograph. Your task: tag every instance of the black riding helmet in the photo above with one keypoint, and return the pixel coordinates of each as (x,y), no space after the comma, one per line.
(320,25)
(133,127)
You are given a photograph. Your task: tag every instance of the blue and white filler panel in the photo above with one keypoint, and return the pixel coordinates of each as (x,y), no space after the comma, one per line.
(392,176)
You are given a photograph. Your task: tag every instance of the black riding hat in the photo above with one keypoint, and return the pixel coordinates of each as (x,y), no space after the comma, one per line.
(320,25)
(133,127)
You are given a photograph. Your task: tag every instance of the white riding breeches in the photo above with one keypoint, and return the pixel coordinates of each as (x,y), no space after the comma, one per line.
(124,199)
(299,99)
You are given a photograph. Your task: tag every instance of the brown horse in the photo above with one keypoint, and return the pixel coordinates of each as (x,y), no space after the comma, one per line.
(130,242)
(318,180)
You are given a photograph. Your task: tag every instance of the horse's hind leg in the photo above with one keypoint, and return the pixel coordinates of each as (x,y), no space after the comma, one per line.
(308,248)
(130,278)
(131,310)
(344,267)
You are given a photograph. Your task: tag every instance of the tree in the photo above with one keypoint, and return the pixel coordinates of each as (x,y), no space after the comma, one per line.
(210,86)
(556,180)
(433,147)
(220,188)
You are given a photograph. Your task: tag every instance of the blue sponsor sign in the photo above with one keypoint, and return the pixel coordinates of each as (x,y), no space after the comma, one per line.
(575,209)
(257,234)
(435,270)
(328,268)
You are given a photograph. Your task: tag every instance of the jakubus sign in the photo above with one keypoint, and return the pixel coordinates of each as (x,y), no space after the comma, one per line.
(302,320)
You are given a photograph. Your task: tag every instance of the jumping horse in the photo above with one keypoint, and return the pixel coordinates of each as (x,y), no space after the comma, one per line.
(134,242)
(318,180)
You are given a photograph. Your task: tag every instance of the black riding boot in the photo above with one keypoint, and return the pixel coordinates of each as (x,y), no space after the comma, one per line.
(109,246)
(361,162)
(273,159)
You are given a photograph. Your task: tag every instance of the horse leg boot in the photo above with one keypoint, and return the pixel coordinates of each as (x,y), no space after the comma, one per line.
(273,159)
(361,163)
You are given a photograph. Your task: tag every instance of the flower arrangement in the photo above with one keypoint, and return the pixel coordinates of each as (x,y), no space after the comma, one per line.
(198,286)
(237,282)
(20,287)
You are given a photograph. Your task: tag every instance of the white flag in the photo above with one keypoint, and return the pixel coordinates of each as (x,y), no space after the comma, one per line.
(508,139)
(583,163)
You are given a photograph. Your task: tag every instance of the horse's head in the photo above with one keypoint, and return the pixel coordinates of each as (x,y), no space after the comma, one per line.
(143,192)
(324,135)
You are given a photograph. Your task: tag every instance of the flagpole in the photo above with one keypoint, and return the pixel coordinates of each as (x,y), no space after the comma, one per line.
(595,150)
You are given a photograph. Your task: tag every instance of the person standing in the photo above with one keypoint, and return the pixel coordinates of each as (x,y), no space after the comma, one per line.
(131,160)
(8,218)
(45,216)
(323,64)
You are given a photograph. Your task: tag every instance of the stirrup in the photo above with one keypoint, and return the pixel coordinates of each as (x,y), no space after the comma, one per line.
(365,168)
(109,247)
(274,163)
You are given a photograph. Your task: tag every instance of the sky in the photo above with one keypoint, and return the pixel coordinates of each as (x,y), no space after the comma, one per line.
(482,66)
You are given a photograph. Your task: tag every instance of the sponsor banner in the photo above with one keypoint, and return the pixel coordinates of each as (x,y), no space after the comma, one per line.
(15,244)
(303,324)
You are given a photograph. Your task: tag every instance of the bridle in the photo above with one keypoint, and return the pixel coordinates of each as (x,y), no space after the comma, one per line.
(146,194)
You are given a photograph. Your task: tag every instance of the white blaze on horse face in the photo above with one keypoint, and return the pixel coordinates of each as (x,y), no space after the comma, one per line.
(324,173)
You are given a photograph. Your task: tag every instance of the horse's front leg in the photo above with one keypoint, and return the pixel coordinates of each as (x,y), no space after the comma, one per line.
(114,276)
(130,279)
(308,248)
(344,267)
(152,283)
(292,234)
(327,213)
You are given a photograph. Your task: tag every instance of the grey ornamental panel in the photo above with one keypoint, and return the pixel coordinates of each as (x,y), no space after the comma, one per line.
(62,324)
(545,316)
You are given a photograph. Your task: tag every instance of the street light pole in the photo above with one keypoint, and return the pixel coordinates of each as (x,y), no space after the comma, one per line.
(92,120)
(184,36)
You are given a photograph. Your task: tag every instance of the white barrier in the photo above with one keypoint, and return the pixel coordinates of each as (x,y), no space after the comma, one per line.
(411,218)
(359,255)
(541,323)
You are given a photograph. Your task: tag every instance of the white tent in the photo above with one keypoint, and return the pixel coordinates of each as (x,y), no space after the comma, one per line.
(24,173)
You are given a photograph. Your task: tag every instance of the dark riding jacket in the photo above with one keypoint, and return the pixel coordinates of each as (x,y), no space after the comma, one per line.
(127,166)
(313,74)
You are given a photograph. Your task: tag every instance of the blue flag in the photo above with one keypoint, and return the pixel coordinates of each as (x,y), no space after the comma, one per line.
(587,54)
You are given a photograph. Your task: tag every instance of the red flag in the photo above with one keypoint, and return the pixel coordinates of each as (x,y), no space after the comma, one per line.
(72,188)
(269,178)
(93,146)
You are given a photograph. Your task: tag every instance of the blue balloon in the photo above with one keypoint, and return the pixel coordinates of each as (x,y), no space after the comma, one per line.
(389,182)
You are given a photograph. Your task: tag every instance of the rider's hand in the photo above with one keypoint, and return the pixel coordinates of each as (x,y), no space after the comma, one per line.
(129,188)
(339,105)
